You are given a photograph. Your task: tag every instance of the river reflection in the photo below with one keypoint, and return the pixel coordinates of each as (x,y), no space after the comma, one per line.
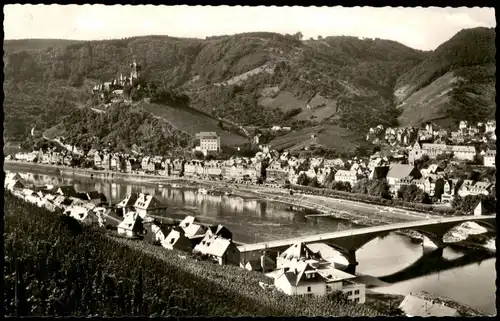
(393,257)
(250,220)
(468,279)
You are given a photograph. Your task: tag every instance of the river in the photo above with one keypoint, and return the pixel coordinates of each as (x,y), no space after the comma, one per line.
(462,277)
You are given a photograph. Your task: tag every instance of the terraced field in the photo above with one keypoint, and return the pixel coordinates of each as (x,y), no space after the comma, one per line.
(328,136)
(192,122)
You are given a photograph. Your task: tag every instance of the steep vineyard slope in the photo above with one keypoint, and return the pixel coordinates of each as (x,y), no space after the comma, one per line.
(456,82)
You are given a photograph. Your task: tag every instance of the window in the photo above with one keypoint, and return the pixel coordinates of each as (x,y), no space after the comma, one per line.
(349,293)
(356,292)
(308,289)
(356,300)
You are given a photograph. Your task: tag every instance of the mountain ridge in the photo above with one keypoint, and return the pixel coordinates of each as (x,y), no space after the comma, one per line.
(252,79)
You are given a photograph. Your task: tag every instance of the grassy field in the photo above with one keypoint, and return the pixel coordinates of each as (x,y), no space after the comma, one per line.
(284,100)
(329,136)
(192,122)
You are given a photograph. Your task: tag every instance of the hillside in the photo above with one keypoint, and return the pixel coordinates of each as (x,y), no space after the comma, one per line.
(455,82)
(259,79)
(35,44)
(120,128)
(323,137)
(192,122)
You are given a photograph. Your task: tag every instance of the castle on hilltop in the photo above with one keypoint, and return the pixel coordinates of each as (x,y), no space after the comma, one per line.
(120,81)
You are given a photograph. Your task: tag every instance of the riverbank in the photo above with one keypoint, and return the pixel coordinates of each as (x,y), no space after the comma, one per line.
(387,303)
(359,213)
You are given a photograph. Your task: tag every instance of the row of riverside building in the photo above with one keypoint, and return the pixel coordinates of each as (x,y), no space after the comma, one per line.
(277,169)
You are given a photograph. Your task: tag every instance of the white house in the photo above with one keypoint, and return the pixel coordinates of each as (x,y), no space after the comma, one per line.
(294,253)
(82,214)
(490,127)
(131,226)
(209,141)
(489,158)
(306,277)
(346,176)
(147,204)
(127,202)
(397,172)
(177,240)
(220,249)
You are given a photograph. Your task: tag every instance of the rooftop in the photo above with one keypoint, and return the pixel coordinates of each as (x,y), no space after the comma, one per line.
(400,170)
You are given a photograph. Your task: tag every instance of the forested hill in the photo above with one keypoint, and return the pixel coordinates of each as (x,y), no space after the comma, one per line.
(456,81)
(35,44)
(259,79)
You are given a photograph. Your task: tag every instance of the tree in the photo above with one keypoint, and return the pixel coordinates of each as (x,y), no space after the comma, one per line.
(298,35)
(341,186)
(313,182)
(379,188)
(303,180)
(210,156)
(466,205)
(320,37)
(361,186)
(411,193)
(75,80)
(338,297)
(198,154)
(329,179)
(220,124)
(423,162)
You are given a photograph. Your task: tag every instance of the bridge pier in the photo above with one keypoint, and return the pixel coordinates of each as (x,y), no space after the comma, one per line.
(352,262)
(432,242)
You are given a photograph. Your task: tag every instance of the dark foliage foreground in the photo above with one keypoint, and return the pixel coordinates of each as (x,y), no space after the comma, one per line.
(53,266)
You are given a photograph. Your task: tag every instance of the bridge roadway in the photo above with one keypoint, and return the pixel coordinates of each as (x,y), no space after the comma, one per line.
(427,227)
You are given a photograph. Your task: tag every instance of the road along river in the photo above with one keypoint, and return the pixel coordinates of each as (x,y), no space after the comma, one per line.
(393,264)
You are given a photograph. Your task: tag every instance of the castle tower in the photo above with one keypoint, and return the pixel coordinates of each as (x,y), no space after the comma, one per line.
(134,73)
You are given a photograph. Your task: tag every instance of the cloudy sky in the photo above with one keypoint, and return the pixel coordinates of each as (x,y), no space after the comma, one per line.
(420,28)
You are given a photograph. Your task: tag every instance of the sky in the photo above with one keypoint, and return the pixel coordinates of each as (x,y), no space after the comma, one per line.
(419,28)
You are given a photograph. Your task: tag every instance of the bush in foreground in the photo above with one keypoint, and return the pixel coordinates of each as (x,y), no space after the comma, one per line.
(54,270)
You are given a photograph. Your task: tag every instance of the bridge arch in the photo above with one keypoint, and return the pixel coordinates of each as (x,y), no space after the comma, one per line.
(348,242)
(436,232)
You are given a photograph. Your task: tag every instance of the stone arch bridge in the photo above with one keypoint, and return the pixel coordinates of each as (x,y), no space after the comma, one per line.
(349,241)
